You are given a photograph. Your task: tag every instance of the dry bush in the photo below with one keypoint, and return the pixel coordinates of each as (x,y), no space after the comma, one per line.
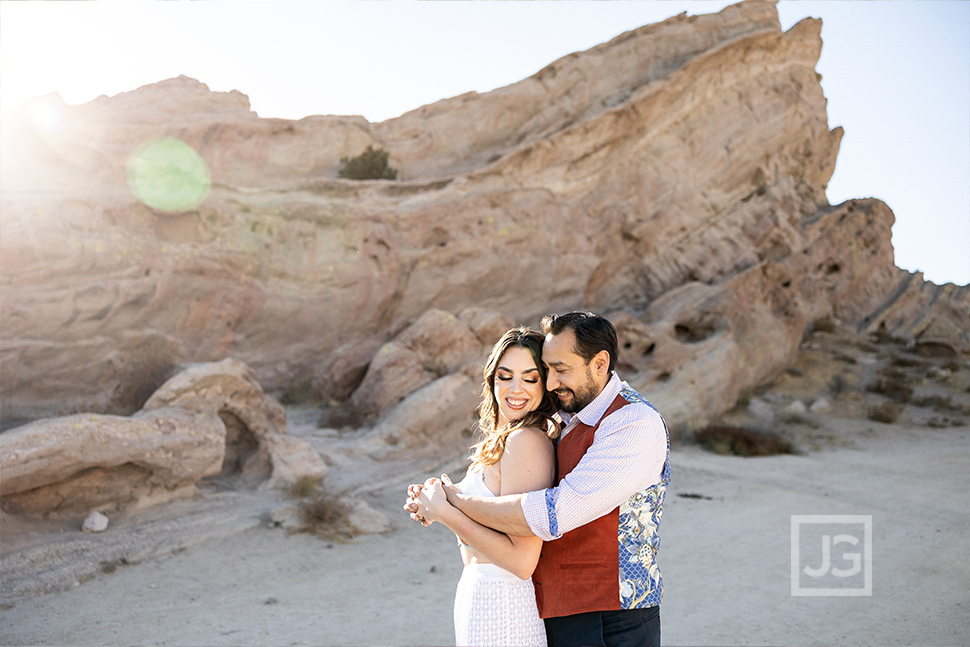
(892,383)
(369,165)
(952,365)
(326,515)
(740,441)
(322,513)
(839,384)
(305,486)
(824,324)
(938,402)
(942,403)
(907,361)
(941,423)
(799,418)
(887,412)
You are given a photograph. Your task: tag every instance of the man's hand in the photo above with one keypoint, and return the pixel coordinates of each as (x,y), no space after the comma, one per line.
(451,490)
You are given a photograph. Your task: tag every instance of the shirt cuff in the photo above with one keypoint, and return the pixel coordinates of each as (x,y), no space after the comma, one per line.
(537,514)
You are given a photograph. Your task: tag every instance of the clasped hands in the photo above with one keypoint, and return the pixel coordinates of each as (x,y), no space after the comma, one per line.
(425,501)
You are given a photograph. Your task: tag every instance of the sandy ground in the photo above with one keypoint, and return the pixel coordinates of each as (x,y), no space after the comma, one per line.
(726,558)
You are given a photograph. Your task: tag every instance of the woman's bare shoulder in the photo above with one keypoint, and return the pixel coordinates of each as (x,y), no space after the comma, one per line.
(529,435)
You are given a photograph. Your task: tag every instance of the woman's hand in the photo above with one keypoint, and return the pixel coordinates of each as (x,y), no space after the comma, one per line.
(432,501)
(411,504)
(428,501)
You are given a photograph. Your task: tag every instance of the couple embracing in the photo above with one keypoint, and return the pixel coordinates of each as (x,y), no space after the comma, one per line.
(558,515)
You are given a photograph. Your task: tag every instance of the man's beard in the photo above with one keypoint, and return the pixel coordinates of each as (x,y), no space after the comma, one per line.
(587,393)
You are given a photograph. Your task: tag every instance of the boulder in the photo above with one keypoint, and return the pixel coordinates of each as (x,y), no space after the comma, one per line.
(441,341)
(95,522)
(395,372)
(209,420)
(795,408)
(488,325)
(71,464)
(258,448)
(365,519)
(342,372)
(436,344)
(821,405)
(437,420)
(761,411)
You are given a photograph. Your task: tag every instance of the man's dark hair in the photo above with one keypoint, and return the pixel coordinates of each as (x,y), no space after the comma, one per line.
(593,333)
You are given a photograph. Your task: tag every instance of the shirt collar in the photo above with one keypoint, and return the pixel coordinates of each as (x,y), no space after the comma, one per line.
(590,414)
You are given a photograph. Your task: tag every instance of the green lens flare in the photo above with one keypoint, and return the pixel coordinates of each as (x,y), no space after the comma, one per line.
(167,174)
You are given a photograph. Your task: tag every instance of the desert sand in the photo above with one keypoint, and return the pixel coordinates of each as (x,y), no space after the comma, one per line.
(726,558)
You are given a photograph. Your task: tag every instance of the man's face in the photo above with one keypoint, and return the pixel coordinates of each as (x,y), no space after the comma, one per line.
(570,379)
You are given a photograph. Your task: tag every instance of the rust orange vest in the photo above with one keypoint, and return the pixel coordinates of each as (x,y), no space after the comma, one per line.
(579,572)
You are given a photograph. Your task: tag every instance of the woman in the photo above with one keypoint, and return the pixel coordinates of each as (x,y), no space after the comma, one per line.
(495,601)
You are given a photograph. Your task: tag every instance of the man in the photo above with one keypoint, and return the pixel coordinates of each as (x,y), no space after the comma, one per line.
(597,581)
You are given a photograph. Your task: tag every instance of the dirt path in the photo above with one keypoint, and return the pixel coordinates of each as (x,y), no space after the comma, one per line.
(726,559)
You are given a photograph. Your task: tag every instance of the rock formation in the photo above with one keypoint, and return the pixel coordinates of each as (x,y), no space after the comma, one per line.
(210,420)
(673,178)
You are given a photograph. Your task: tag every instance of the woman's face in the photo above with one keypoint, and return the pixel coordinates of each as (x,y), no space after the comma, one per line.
(518,385)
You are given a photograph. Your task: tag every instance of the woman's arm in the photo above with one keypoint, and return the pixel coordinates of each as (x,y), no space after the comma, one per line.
(527,464)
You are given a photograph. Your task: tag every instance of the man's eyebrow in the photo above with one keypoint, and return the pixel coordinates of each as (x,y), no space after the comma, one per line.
(555,364)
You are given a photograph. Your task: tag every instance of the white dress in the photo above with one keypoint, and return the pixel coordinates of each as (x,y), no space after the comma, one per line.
(493,607)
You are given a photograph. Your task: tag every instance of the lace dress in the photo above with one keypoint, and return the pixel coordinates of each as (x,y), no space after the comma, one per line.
(493,607)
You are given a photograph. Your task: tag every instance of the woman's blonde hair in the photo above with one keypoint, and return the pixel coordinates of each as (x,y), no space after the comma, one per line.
(489,450)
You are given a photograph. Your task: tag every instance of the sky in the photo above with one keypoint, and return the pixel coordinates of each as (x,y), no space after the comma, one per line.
(896,74)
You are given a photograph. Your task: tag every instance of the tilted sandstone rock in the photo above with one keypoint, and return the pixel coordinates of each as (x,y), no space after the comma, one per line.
(209,420)
(675,174)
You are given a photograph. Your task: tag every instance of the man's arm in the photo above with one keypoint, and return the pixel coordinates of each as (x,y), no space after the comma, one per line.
(627,455)
(502,513)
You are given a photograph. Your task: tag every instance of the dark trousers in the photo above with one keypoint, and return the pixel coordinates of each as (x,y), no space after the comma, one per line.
(631,628)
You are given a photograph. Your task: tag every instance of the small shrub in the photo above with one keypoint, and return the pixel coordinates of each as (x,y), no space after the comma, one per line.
(892,384)
(942,403)
(297,393)
(326,515)
(799,418)
(887,412)
(825,324)
(744,399)
(882,336)
(938,402)
(740,441)
(905,361)
(952,365)
(305,486)
(369,165)
(838,384)
(322,513)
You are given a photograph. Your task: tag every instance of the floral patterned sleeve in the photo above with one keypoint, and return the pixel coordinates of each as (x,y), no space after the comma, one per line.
(627,456)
